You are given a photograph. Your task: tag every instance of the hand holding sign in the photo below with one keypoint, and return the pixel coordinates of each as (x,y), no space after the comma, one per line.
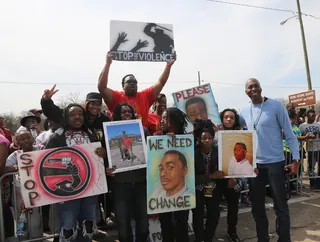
(170,63)
(47,95)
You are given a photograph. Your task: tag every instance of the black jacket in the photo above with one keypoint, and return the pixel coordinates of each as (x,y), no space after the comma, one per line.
(200,170)
(53,112)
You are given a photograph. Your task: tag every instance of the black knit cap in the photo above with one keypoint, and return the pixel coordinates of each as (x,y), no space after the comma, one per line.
(94,96)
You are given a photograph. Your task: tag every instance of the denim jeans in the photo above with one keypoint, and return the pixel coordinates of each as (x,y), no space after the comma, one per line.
(272,174)
(74,215)
(130,200)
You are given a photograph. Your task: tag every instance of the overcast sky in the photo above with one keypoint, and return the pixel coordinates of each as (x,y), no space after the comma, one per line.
(65,42)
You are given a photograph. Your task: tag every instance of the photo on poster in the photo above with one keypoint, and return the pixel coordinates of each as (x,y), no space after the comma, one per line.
(170,174)
(61,174)
(141,41)
(198,103)
(237,153)
(125,143)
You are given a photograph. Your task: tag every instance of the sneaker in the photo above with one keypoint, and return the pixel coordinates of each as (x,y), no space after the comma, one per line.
(233,237)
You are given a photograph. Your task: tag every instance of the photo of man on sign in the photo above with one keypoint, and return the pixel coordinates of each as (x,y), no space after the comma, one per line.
(198,103)
(170,174)
(172,171)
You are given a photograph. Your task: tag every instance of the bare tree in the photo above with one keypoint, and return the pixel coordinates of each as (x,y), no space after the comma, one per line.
(72,97)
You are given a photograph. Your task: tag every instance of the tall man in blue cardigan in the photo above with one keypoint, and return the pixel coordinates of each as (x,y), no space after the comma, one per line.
(268,117)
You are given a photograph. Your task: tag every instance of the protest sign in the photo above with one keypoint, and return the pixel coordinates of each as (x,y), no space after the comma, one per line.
(125,145)
(139,41)
(237,153)
(170,173)
(61,174)
(198,103)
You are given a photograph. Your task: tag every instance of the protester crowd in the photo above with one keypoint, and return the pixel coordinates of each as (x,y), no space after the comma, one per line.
(280,139)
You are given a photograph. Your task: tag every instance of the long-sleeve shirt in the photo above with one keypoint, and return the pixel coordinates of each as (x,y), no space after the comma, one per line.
(273,120)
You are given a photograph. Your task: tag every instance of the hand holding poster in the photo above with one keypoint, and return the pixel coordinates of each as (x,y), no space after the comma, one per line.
(170,173)
(61,174)
(198,103)
(125,145)
(237,153)
(138,41)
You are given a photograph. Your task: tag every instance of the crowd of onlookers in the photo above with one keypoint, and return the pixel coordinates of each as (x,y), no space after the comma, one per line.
(77,124)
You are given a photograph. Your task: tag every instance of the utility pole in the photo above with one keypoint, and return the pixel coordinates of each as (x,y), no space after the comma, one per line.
(199,80)
(306,60)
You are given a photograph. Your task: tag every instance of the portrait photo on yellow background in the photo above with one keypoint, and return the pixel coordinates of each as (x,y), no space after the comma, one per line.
(237,153)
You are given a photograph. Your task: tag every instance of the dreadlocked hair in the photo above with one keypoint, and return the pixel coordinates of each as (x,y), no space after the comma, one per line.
(203,125)
(177,119)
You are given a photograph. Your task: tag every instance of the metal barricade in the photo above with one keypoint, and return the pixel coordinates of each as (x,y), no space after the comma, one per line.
(312,167)
(15,204)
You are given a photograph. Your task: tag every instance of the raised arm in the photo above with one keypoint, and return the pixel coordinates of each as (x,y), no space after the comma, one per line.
(163,78)
(106,92)
(52,111)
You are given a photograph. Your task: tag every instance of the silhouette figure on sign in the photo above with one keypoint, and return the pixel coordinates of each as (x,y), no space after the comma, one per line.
(122,39)
(162,42)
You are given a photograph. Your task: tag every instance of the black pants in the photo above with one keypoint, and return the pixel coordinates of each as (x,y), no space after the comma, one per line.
(174,226)
(213,211)
(272,174)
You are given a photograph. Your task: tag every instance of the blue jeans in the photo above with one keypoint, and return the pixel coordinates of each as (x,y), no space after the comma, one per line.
(130,200)
(75,215)
(272,174)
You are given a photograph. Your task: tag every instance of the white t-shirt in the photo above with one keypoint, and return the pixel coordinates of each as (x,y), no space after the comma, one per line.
(312,144)
(240,168)
(43,137)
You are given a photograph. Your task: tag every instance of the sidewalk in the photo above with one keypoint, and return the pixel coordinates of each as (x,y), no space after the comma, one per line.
(305,222)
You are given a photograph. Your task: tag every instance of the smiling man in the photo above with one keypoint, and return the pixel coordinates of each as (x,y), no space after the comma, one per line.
(269,118)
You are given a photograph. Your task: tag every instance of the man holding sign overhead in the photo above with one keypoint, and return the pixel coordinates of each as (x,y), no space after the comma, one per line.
(140,101)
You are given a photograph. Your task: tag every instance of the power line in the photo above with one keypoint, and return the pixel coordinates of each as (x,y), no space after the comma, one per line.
(149,83)
(262,7)
(254,6)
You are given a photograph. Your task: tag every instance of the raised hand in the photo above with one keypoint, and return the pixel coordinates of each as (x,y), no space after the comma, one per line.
(109,58)
(170,63)
(122,38)
(140,44)
(47,95)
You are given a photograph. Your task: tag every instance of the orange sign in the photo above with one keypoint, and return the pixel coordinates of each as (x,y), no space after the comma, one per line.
(303,98)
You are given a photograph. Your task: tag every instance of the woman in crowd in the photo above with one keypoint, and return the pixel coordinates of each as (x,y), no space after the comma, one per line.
(129,190)
(25,141)
(230,188)
(206,175)
(154,117)
(5,184)
(79,213)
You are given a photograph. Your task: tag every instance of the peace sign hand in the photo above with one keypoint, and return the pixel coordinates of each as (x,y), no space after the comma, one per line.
(47,95)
